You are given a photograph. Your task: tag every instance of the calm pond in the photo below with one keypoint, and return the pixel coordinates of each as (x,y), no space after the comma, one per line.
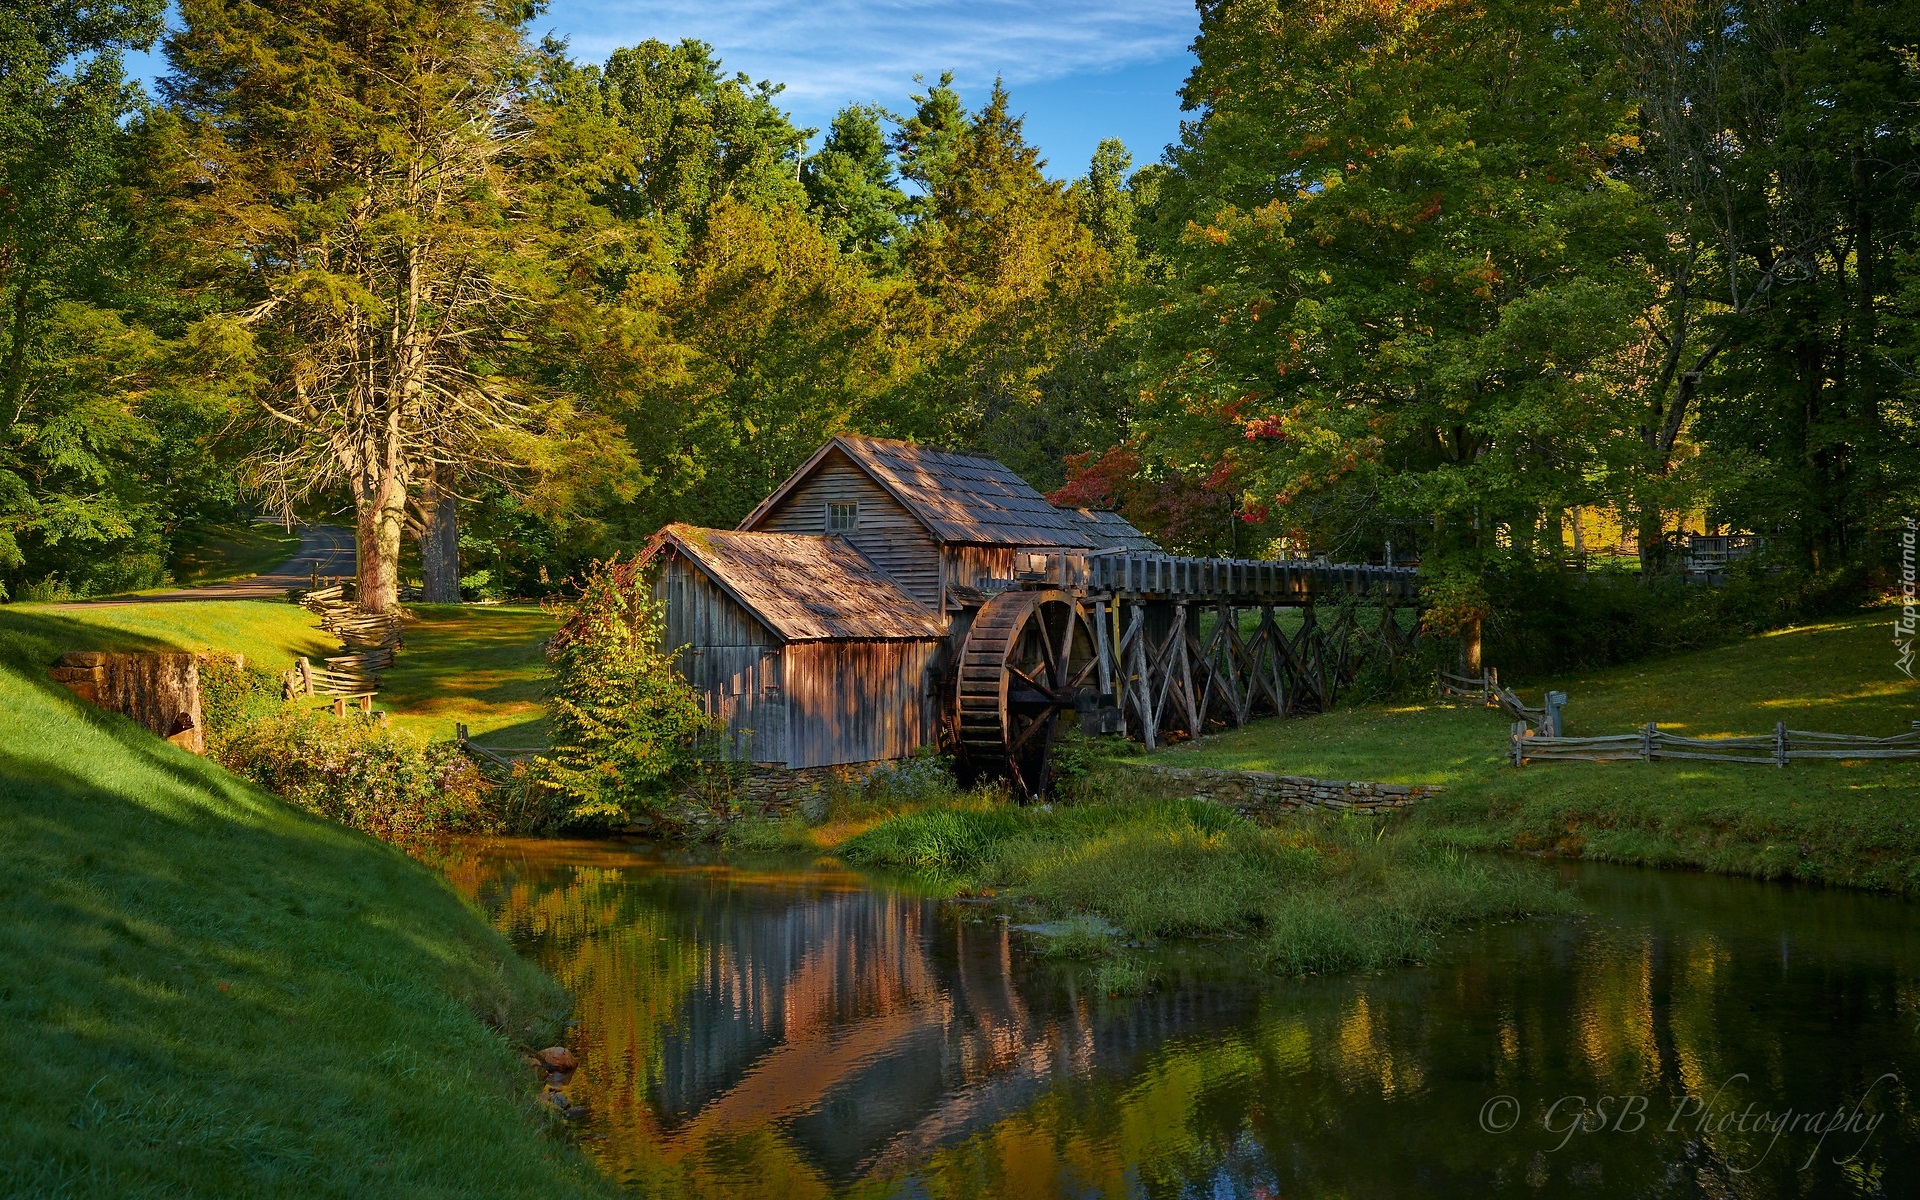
(800,1030)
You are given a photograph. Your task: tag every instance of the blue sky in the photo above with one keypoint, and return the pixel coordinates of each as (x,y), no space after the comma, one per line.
(1080,70)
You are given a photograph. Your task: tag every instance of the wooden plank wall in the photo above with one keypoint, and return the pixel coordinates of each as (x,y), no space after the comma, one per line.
(731,659)
(859,701)
(887,533)
(968,565)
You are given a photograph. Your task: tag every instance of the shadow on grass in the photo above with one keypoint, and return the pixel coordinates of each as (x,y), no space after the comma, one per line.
(523,733)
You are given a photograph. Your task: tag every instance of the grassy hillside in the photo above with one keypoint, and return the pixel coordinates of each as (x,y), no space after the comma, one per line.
(204,992)
(1850,823)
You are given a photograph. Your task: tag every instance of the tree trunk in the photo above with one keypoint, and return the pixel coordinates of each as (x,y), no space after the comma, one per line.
(439,545)
(1653,546)
(1470,648)
(382,517)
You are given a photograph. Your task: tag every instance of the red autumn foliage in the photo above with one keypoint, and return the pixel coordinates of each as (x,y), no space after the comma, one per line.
(1182,511)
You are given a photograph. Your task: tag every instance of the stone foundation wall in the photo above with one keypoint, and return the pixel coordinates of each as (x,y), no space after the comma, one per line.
(762,789)
(160,691)
(1263,794)
(774,791)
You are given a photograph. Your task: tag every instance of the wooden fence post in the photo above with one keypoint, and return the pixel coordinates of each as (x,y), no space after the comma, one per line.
(1550,718)
(1647,737)
(1520,733)
(1779,744)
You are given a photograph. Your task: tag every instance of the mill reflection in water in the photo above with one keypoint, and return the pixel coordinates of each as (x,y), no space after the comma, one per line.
(806,1031)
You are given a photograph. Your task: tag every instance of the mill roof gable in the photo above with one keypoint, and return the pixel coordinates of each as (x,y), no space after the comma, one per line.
(803,588)
(966,498)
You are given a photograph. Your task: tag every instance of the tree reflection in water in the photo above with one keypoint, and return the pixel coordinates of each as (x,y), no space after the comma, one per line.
(802,1031)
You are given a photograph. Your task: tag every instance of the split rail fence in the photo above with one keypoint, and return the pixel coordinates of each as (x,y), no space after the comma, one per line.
(502,757)
(1650,744)
(1487,690)
(370,642)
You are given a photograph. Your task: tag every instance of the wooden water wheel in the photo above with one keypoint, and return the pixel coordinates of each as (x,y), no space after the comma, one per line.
(1028,657)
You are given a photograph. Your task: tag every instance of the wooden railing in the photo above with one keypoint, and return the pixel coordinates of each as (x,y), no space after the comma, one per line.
(369,639)
(1473,690)
(1487,690)
(1649,744)
(503,757)
(1241,580)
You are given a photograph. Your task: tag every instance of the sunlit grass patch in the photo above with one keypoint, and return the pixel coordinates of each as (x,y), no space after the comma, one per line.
(1853,823)
(271,634)
(479,665)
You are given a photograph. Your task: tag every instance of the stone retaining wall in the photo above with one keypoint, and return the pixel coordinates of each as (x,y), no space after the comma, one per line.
(762,789)
(1258,794)
(160,691)
(775,791)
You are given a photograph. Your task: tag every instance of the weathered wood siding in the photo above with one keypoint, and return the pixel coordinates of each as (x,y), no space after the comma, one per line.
(858,701)
(730,658)
(967,565)
(886,533)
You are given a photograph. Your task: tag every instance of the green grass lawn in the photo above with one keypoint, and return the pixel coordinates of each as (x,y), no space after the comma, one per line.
(270,634)
(225,552)
(1848,823)
(204,992)
(480,664)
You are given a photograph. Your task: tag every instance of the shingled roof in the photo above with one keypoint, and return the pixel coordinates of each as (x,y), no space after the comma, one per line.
(970,498)
(804,588)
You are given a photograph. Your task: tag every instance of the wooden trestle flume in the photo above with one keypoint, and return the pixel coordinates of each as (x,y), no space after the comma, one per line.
(1175,644)
(890,598)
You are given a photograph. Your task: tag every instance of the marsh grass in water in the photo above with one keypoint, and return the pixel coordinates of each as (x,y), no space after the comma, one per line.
(1312,895)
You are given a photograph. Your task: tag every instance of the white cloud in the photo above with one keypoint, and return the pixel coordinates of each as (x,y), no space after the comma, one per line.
(835,51)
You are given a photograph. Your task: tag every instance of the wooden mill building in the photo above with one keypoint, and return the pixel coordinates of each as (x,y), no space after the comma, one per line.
(821,628)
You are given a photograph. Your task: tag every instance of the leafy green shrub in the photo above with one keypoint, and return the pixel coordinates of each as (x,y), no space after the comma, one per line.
(625,726)
(231,695)
(924,778)
(364,774)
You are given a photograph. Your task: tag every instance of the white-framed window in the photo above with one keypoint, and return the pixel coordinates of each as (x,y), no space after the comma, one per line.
(841,518)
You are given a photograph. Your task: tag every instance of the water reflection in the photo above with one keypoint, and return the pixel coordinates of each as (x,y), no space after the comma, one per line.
(806,1031)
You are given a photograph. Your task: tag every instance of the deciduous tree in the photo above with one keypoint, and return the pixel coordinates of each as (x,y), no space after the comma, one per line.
(356,169)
